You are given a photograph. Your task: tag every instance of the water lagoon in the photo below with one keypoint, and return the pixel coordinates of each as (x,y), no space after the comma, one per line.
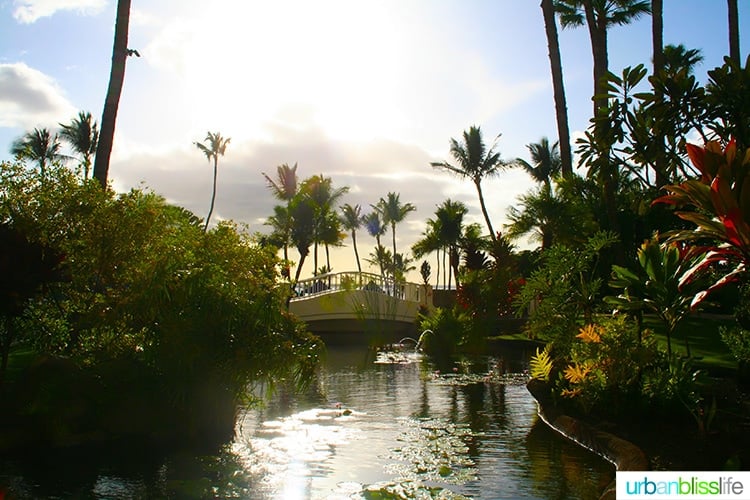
(371,424)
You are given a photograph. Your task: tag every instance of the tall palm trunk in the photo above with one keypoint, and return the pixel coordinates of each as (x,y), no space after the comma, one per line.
(558,88)
(393,234)
(657,37)
(484,210)
(315,257)
(437,273)
(597,26)
(657,34)
(380,260)
(734,31)
(112,102)
(213,193)
(302,257)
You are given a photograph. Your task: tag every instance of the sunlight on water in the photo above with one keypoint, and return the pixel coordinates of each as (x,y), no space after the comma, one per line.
(400,427)
(383,424)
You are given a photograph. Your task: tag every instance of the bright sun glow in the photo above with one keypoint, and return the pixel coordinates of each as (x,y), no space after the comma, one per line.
(237,65)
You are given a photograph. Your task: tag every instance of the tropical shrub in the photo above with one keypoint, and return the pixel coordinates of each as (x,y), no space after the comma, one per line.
(563,291)
(444,330)
(190,317)
(613,370)
(605,365)
(720,199)
(656,286)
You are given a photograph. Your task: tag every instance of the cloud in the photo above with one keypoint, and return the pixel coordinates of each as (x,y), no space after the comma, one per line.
(29,11)
(30,98)
(370,169)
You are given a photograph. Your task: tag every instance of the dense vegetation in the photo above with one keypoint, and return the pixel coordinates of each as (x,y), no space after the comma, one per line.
(148,325)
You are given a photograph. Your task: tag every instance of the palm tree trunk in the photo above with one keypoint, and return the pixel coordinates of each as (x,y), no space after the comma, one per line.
(437,274)
(112,102)
(299,266)
(315,257)
(734,31)
(657,36)
(356,253)
(558,87)
(380,261)
(484,210)
(598,34)
(213,193)
(393,233)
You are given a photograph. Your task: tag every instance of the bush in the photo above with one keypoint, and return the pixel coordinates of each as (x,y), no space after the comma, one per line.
(199,315)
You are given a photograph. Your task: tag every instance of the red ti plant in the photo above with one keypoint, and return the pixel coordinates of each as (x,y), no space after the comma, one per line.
(721,198)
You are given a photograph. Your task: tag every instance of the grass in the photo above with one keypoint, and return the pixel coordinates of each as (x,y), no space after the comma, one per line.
(19,359)
(706,345)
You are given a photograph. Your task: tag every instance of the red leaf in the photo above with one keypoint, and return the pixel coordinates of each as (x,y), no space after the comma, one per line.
(697,154)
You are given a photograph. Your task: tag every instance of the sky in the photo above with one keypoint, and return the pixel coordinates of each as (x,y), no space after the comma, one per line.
(367,93)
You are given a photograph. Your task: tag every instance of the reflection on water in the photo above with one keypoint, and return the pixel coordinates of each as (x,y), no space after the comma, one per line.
(384,422)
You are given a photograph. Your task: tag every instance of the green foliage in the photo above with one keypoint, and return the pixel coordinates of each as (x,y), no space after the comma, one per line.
(657,286)
(563,291)
(738,341)
(728,96)
(443,331)
(199,315)
(737,337)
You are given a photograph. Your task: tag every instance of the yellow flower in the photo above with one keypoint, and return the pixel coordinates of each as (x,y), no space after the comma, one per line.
(575,374)
(571,393)
(591,333)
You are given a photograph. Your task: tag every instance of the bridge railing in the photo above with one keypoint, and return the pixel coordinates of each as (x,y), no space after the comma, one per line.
(353,280)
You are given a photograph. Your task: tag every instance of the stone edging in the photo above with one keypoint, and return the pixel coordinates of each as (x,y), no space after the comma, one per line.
(623,454)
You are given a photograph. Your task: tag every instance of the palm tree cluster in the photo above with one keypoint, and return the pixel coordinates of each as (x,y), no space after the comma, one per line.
(311,215)
(43,147)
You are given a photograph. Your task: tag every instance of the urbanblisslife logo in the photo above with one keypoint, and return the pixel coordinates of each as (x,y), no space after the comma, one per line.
(683,485)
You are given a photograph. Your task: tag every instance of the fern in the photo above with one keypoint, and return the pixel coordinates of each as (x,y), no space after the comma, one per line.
(540,364)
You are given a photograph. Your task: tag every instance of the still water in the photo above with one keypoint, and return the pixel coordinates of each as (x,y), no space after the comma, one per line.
(371,425)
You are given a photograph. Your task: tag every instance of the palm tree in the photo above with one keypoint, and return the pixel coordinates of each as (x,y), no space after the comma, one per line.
(558,86)
(476,162)
(351,218)
(281,222)
(38,145)
(216,146)
(120,53)
(546,161)
(284,188)
(542,214)
(598,16)
(678,58)
(376,228)
(734,31)
(393,212)
(430,242)
(82,133)
(302,212)
(324,197)
(450,215)
(330,234)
